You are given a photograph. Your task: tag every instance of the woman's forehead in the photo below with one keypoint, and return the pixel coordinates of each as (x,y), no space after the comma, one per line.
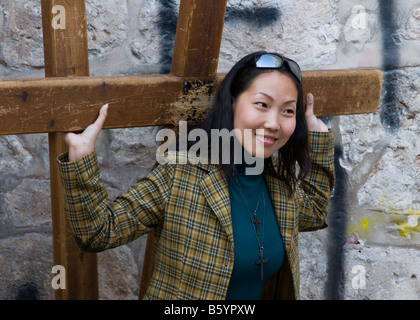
(273,84)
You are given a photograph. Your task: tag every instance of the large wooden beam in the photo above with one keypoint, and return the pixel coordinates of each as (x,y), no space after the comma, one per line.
(65,42)
(71,104)
(66,54)
(344,92)
(198,38)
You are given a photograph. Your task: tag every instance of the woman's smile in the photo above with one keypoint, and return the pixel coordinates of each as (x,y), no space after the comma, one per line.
(267,140)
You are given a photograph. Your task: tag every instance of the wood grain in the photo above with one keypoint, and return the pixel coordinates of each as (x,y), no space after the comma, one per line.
(198,38)
(66,55)
(71,104)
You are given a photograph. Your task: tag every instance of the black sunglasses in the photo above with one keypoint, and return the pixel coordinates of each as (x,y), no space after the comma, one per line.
(274,61)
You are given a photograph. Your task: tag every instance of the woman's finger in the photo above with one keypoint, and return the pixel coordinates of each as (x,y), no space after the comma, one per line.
(313,123)
(92,131)
(309,104)
(103,113)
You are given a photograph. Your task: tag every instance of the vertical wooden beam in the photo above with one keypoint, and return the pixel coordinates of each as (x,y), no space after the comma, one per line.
(198,38)
(196,54)
(65,38)
(66,54)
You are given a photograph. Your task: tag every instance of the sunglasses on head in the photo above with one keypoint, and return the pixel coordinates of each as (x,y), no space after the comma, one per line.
(274,61)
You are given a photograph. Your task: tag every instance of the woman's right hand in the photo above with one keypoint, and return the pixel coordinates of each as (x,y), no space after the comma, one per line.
(82,144)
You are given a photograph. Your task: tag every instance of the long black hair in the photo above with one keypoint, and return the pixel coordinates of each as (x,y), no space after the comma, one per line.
(293,158)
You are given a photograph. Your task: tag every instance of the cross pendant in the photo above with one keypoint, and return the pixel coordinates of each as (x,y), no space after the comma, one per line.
(261,263)
(256,222)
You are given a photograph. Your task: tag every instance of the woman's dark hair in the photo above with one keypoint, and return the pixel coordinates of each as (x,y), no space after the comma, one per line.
(294,160)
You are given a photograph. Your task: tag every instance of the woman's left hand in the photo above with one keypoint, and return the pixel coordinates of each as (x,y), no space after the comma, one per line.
(314,124)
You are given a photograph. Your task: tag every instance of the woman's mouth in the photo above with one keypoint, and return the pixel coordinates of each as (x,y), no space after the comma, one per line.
(267,140)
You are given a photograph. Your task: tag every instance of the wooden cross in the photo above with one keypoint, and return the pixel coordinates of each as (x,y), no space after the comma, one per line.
(69,100)
(261,262)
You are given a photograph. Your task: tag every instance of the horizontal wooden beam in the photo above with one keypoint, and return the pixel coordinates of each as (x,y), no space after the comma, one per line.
(71,104)
(344,92)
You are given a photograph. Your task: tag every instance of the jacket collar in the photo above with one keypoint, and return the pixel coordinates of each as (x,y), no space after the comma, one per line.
(215,189)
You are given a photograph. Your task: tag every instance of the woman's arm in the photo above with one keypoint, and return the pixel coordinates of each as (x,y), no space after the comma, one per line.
(315,190)
(97,223)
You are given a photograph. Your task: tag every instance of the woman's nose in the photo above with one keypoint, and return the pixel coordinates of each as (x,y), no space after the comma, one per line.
(272,122)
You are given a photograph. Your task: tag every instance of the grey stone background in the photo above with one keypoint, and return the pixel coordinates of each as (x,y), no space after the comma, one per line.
(371,249)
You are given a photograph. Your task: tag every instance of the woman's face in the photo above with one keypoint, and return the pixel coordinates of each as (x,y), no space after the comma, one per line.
(265,114)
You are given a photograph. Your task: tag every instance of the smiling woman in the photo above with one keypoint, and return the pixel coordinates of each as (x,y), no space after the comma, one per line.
(254,74)
(222,234)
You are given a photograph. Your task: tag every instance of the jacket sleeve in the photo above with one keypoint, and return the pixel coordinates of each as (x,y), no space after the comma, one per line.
(98,224)
(315,190)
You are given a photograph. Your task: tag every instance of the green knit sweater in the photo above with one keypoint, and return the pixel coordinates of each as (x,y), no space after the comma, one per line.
(246,280)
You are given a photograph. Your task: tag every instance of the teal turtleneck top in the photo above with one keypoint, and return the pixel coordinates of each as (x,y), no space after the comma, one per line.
(245,196)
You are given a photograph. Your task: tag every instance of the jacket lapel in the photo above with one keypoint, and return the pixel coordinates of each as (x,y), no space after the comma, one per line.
(284,213)
(215,190)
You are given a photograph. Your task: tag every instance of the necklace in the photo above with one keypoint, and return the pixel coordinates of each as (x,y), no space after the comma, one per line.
(255,222)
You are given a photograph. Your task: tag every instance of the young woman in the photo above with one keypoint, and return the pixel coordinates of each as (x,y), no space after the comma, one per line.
(222,233)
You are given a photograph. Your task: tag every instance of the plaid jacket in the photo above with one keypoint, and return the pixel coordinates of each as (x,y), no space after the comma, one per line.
(188,208)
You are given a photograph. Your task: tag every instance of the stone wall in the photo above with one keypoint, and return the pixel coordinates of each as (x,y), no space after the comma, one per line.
(371,249)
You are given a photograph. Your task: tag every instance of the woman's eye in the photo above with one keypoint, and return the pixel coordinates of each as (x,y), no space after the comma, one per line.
(262,104)
(289,111)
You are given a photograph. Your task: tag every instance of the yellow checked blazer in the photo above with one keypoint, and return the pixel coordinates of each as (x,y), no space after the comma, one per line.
(188,208)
